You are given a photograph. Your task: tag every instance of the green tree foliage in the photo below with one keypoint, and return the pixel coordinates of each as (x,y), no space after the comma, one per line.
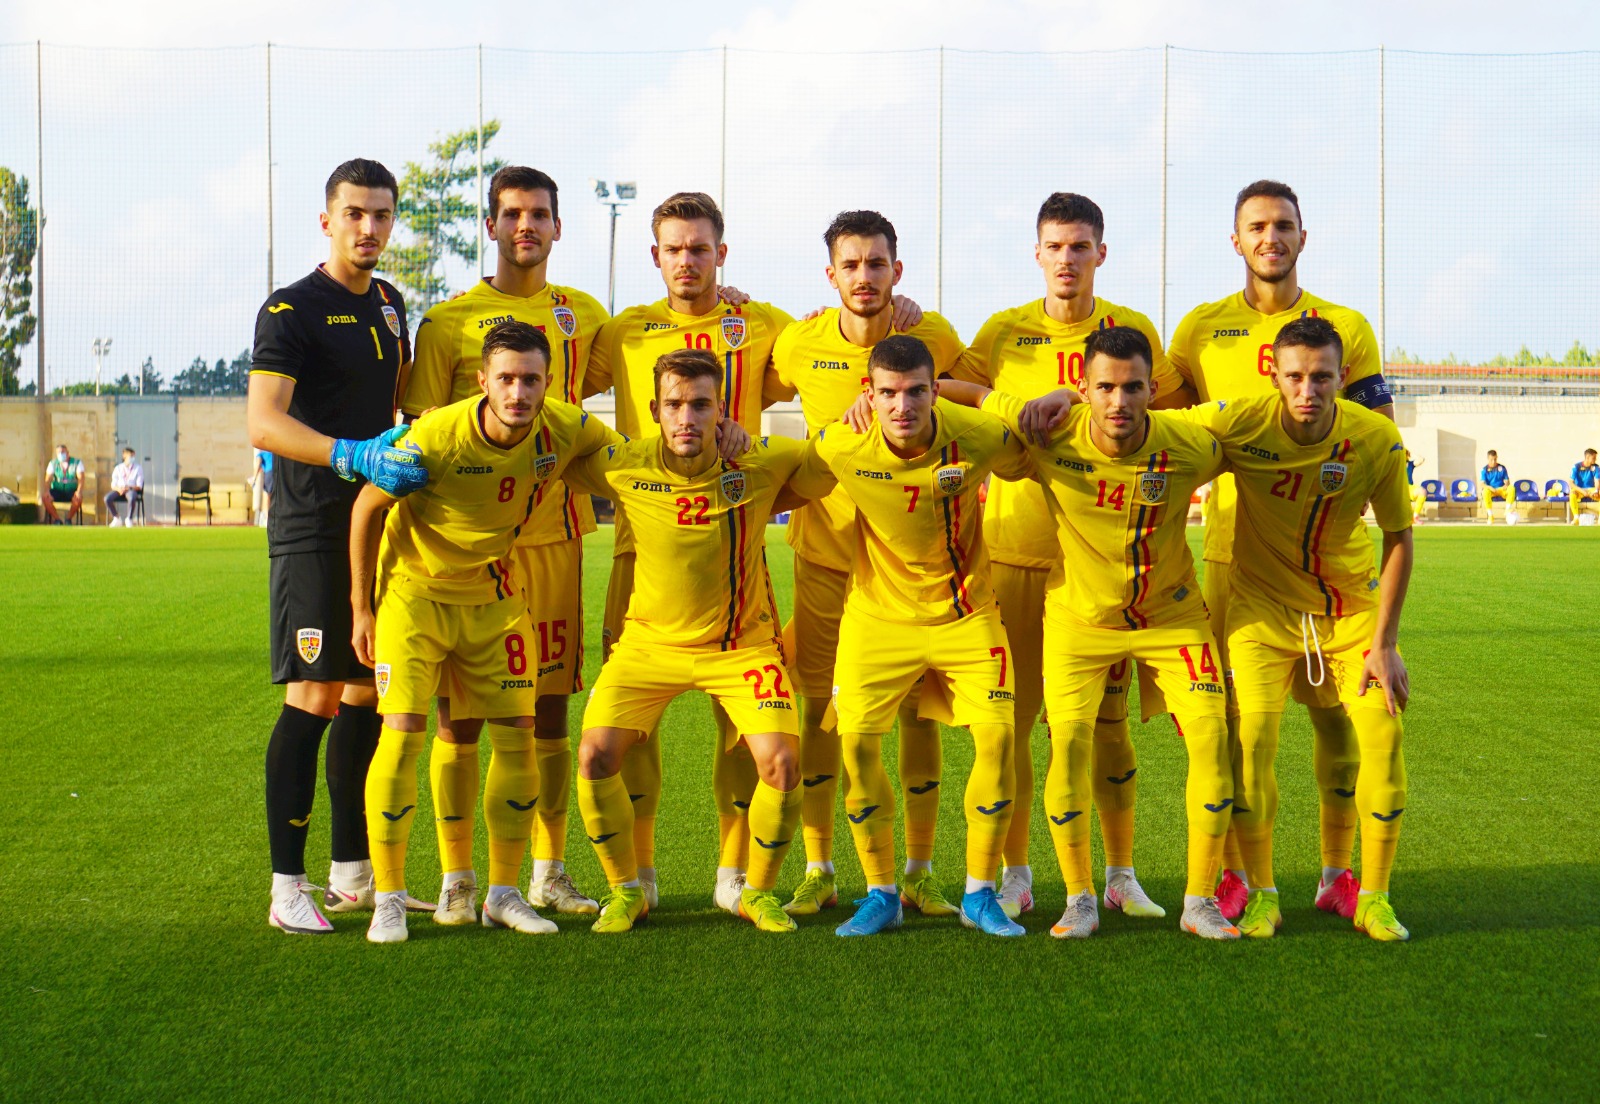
(438,210)
(1576,357)
(222,378)
(19,242)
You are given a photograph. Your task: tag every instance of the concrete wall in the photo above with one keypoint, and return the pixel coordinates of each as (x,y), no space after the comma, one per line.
(1537,438)
(30,431)
(214,440)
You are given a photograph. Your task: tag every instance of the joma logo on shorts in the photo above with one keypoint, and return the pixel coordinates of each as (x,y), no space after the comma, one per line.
(1001,695)
(1207,687)
(1075,465)
(474,469)
(1261,452)
(866,474)
(774,703)
(642,485)
(518,684)
(556,666)
(1021,341)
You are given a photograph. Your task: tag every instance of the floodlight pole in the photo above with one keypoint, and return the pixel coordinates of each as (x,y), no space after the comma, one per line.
(611,280)
(101,349)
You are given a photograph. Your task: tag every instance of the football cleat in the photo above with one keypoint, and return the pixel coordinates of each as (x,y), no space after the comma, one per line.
(1124,893)
(355,894)
(624,907)
(922,893)
(1016,894)
(1262,916)
(1232,895)
(388,920)
(652,893)
(1206,920)
(981,909)
(1375,916)
(556,890)
(1080,920)
(511,910)
(294,911)
(1339,895)
(458,901)
(876,912)
(763,909)
(726,895)
(815,893)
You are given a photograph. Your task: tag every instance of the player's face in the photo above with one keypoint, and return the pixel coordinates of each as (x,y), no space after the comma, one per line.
(688,254)
(688,413)
(358,221)
(1068,254)
(1267,235)
(525,228)
(1309,380)
(903,402)
(515,384)
(863,274)
(1118,393)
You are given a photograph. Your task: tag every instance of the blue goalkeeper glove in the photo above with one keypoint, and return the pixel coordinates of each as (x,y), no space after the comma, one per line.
(395,471)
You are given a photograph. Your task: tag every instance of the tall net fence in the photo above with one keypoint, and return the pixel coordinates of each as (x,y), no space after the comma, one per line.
(1450,198)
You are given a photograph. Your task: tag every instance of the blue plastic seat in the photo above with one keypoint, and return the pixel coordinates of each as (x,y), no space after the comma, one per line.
(1463,490)
(1556,490)
(1526,490)
(1433,491)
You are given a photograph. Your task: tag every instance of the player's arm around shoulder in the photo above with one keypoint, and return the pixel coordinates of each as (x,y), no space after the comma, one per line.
(814,475)
(942,340)
(366,527)
(975,365)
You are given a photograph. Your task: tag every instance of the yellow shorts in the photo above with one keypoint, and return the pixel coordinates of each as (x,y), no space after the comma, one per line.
(552,582)
(811,639)
(1182,660)
(1268,642)
(483,658)
(618,593)
(1020,593)
(1217,589)
(967,663)
(639,681)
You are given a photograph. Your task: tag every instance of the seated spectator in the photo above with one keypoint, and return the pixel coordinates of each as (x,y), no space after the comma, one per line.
(1585,483)
(1419,497)
(1494,481)
(127,485)
(261,483)
(63,479)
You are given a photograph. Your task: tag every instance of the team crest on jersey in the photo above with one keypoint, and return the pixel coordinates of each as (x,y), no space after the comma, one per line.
(1152,487)
(566,320)
(733,486)
(380,675)
(309,642)
(950,480)
(391,316)
(544,465)
(1333,476)
(733,330)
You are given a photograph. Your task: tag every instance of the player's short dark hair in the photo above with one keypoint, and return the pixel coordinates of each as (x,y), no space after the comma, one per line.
(1590,452)
(1310,332)
(689,364)
(1072,207)
(860,224)
(1118,343)
(1492,452)
(523,179)
(361,172)
(687,206)
(902,354)
(516,337)
(1266,189)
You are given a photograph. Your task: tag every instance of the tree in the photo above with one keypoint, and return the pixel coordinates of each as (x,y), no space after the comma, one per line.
(200,378)
(439,218)
(19,242)
(152,378)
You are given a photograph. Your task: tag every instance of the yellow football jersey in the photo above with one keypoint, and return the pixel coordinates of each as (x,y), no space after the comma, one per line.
(1121,522)
(1026,353)
(451,540)
(920,556)
(1300,532)
(700,580)
(829,372)
(450,352)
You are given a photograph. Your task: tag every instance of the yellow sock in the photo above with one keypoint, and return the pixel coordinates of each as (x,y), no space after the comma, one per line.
(641,774)
(453,773)
(608,820)
(1232,857)
(1255,794)
(392,805)
(774,815)
(990,797)
(510,792)
(733,784)
(1380,793)
(921,763)
(1115,780)
(820,764)
(1066,800)
(1336,758)
(554,760)
(1206,797)
(869,803)
(1015,851)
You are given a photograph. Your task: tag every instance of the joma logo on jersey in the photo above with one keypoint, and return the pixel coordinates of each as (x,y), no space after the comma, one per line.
(566,320)
(733,486)
(643,485)
(1152,487)
(1075,465)
(950,480)
(495,320)
(1230,333)
(1332,476)
(652,327)
(866,473)
(544,465)
(1261,452)
(832,365)
(1022,341)
(338,319)
(1001,695)
(473,469)
(733,330)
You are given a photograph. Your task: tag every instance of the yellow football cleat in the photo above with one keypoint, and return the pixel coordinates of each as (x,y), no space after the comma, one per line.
(922,893)
(624,908)
(815,893)
(1375,916)
(763,909)
(1262,917)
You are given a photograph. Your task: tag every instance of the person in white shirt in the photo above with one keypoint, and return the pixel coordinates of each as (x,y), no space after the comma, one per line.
(127,485)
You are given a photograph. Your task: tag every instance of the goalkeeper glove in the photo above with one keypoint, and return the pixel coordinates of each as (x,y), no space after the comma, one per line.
(395,471)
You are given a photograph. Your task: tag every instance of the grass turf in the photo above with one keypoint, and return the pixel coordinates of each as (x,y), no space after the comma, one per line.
(137,962)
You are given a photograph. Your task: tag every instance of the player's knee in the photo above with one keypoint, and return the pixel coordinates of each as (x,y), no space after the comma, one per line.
(550,717)
(781,770)
(599,755)
(321,698)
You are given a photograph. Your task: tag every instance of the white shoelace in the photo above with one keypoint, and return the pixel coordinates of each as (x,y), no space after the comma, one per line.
(1311,645)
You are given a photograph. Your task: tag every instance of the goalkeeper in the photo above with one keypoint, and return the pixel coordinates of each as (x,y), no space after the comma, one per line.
(330,352)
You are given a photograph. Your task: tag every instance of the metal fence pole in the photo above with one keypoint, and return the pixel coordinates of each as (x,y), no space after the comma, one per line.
(938,201)
(38,206)
(480,161)
(1383,260)
(1166,53)
(272,280)
(722,157)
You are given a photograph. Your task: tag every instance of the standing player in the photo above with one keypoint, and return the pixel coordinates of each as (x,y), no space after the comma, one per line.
(1494,481)
(1026,352)
(824,360)
(1224,350)
(1585,483)
(524,223)
(329,350)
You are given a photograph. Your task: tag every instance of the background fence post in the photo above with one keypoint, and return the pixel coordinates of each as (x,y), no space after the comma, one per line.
(272,280)
(1383,266)
(938,198)
(1166,53)
(480,162)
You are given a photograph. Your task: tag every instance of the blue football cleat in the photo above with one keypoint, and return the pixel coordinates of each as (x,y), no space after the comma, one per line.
(981,909)
(877,912)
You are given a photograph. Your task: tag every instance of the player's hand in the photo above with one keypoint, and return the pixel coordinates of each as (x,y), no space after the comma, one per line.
(859,416)
(732,440)
(809,315)
(732,296)
(1385,667)
(1041,417)
(362,624)
(395,470)
(907,314)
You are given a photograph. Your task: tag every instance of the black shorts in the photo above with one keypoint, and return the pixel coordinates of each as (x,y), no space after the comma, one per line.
(61,496)
(309,605)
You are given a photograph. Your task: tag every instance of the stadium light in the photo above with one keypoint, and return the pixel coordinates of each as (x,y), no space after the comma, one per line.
(102,348)
(626,191)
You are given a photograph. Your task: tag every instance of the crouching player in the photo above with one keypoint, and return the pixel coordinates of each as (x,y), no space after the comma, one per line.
(450,612)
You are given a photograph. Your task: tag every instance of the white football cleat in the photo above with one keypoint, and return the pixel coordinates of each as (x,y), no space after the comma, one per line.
(294,910)
(1016,894)
(388,919)
(1081,918)
(511,910)
(647,882)
(556,890)
(1123,892)
(458,902)
(727,893)
(349,894)
(1204,918)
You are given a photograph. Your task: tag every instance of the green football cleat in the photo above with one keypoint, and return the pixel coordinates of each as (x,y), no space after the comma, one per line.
(812,895)
(624,908)
(1262,917)
(763,909)
(1375,916)
(922,893)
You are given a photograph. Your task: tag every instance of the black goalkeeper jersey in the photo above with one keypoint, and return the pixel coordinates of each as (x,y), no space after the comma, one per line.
(344,353)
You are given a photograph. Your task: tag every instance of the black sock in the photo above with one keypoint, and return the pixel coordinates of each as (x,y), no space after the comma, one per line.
(351,742)
(292,786)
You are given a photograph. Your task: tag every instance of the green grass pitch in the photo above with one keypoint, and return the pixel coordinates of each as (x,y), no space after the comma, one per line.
(136,962)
